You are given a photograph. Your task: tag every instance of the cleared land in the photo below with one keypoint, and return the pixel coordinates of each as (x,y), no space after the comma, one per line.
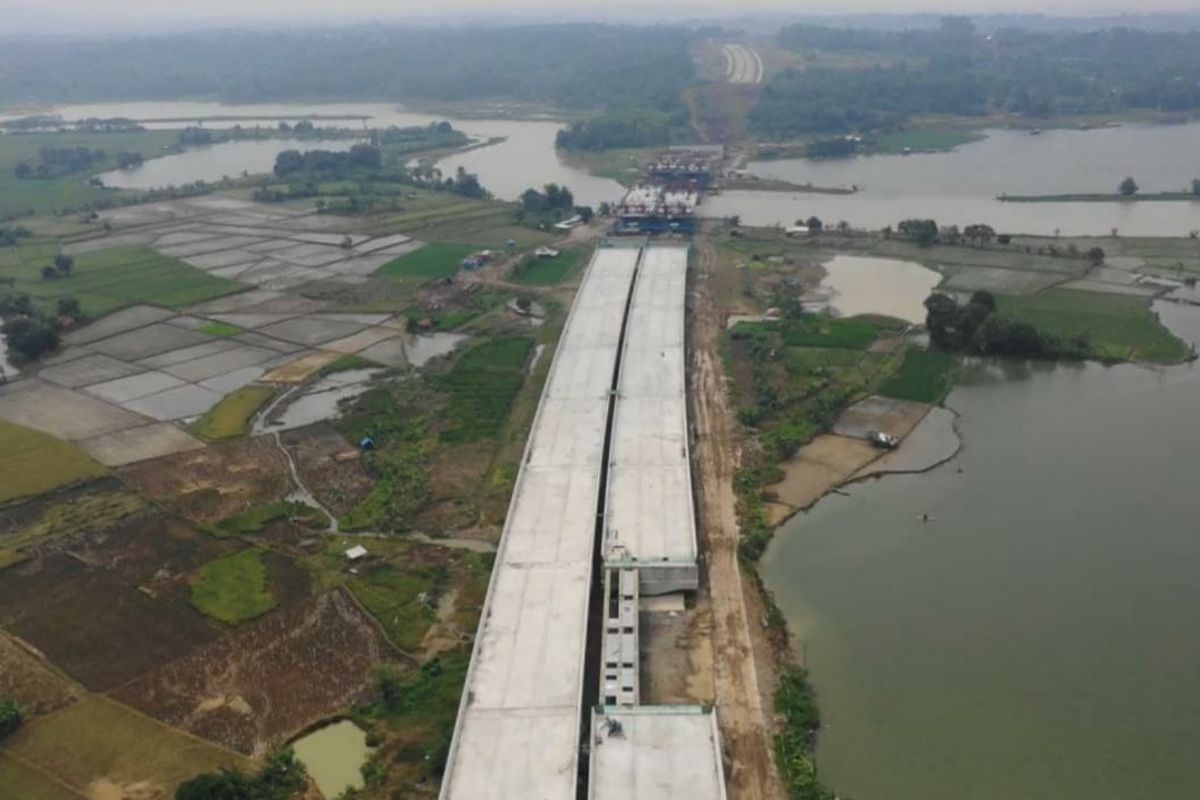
(258,687)
(216,482)
(34,463)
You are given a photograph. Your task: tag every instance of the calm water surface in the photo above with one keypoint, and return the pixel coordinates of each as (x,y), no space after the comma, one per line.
(1040,637)
(888,286)
(334,756)
(960,187)
(527,157)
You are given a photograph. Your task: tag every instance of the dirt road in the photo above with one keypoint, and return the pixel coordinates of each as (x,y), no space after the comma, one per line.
(752,774)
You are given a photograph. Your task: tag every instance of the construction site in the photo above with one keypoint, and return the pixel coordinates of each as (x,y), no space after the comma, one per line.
(601,527)
(666,199)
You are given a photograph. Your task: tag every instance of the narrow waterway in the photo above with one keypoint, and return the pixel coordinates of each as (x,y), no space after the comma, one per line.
(1039,636)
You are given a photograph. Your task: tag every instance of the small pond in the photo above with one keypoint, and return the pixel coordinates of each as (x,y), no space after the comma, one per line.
(334,756)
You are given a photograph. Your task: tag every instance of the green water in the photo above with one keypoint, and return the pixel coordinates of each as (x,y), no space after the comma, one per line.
(334,756)
(1040,637)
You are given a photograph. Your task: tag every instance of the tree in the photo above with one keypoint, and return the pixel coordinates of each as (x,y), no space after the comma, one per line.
(23,170)
(922,231)
(1096,256)
(64,264)
(1128,187)
(69,307)
(49,273)
(585,213)
(1196,186)
(10,716)
(814,224)
(30,337)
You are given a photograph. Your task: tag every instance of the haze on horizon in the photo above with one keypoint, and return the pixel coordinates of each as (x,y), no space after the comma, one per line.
(140,16)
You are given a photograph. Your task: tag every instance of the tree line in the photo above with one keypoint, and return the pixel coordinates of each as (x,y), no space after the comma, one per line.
(592,66)
(955,70)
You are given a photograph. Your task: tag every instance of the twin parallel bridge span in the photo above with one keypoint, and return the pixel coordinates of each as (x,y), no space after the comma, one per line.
(601,514)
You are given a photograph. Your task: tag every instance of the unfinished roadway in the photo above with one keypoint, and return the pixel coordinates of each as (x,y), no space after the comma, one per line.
(605,469)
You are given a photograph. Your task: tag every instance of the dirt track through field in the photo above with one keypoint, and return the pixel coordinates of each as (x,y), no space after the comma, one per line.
(752,774)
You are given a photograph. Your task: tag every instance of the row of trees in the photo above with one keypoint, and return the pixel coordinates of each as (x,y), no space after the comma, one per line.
(329,163)
(282,777)
(553,204)
(954,70)
(633,127)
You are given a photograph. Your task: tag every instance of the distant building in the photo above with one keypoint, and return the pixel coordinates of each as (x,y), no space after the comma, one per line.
(356,553)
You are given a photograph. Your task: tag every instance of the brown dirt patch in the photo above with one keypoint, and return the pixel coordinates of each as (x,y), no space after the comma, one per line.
(301,369)
(330,466)
(255,689)
(33,683)
(819,466)
(677,656)
(96,628)
(216,482)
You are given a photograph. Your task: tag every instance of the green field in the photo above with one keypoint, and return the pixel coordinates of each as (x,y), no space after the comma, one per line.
(222,329)
(105,280)
(22,197)
(231,417)
(854,333)
(233,588)
(924,139)
(393,596)
(18,780)
(1118,327)
(255,519)
(34,462)
(431,261)
(93,512)
(482,386)
(925,376)
(97,742)
(549,271)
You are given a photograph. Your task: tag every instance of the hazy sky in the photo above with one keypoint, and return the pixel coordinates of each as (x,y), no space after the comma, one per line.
(75,16)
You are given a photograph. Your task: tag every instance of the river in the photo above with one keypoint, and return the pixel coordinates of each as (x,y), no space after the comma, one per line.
(1039,637)
(526,158)
(960,187)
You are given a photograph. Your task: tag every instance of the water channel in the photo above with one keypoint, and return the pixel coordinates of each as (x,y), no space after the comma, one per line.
(1039,636)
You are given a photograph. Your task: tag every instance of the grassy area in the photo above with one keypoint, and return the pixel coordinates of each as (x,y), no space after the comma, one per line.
(1117,327)
(105,280)
(26,783)
(815,330)
(19,197)
(431,261)
(233,588)
(440,217)
(222,329)
(401,599)
(925,376)
(549,271)
(482,385)
(255,519)
(623,164)
(415,718)
(35,462)
(922,140)
(231,417)
(96,742)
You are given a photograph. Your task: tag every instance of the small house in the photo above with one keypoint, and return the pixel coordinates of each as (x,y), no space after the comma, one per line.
(545,252)
(356,553)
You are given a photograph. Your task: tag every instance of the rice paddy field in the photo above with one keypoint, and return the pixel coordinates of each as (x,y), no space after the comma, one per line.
(431,261)
(105,280)
(549,271)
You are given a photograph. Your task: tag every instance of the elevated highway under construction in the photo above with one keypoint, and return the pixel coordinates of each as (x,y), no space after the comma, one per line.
(602,513)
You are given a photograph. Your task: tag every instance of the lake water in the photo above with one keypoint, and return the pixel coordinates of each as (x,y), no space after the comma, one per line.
(862,285)
(211,163)
(527,157)
(1040,637)
(960,187)
(334,756)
